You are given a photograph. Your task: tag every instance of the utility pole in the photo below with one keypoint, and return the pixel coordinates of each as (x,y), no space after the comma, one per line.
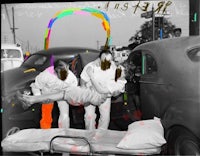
(13,28)
(153,23)
(97,44)
(28,45)
(150,14)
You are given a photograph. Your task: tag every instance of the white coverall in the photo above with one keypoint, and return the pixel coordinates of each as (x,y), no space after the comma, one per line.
(106,79)
(47,82)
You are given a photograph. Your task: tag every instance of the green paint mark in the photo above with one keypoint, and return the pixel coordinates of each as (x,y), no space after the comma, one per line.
(143,64)
(125,97)
(91,10)
(65,14)
(195,17)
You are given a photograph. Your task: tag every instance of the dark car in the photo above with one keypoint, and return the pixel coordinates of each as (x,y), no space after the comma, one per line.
(170,89)
(15,117)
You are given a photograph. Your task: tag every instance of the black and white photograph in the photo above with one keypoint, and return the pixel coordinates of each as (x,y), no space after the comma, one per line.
(100,78)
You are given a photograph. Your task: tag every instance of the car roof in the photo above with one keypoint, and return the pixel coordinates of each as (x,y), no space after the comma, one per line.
(10,46)
(66,51)
(171,45)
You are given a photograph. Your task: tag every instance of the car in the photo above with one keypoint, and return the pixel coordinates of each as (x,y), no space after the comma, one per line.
(11,56)
(15,117)
(170,89)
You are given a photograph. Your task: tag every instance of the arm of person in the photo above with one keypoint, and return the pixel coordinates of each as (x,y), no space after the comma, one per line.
(46,98)
(117,87)
(35,89)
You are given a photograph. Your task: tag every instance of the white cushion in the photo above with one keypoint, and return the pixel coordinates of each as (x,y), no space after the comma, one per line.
(143,134)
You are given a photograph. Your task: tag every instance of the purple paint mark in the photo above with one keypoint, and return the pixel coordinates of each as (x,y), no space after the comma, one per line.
(26,57)
(52,60)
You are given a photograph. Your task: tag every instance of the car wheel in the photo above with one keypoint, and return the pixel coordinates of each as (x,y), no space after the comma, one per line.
(181,141)
(12,131)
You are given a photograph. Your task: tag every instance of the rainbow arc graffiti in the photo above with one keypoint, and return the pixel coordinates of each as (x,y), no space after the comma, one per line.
(79,11)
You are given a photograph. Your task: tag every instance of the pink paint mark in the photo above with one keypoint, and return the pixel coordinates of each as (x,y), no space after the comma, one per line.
(74,148)
(125,138)
(159,123)
(140,154)
(141,123)
(60,125)
(106,107)
(97,137)
(50,69)
(89,117)
(81,13)
(73,103)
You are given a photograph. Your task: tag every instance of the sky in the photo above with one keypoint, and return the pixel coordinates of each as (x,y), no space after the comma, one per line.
(32,19)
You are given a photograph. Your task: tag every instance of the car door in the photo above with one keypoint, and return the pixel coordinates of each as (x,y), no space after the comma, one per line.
(153,88)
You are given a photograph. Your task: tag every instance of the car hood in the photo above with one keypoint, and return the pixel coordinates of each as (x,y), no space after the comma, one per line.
(16,79)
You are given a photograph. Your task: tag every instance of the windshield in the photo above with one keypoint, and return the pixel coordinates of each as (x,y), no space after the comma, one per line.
(10,53)
(35,60)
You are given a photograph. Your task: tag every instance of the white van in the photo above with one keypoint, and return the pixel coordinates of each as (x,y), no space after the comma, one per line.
(11,56)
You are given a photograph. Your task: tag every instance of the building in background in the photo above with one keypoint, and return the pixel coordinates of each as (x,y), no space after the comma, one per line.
(120,54)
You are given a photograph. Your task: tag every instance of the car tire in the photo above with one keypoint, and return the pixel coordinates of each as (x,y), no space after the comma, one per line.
(181,141)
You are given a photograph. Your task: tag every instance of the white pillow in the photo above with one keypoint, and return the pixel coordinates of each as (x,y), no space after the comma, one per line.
(143,134)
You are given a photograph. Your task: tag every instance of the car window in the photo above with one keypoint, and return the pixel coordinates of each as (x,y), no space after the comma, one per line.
(149,65)
(3,53)
(10,53)
(133,64)
(40,61)
(194,54)
(35,60)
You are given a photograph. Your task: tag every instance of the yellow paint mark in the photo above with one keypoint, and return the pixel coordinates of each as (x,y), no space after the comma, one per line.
(30,70)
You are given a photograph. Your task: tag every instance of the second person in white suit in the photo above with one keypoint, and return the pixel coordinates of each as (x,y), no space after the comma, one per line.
(103,76)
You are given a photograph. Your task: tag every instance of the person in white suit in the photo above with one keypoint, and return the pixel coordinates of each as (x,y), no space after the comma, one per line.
(49,81)
(105,77)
